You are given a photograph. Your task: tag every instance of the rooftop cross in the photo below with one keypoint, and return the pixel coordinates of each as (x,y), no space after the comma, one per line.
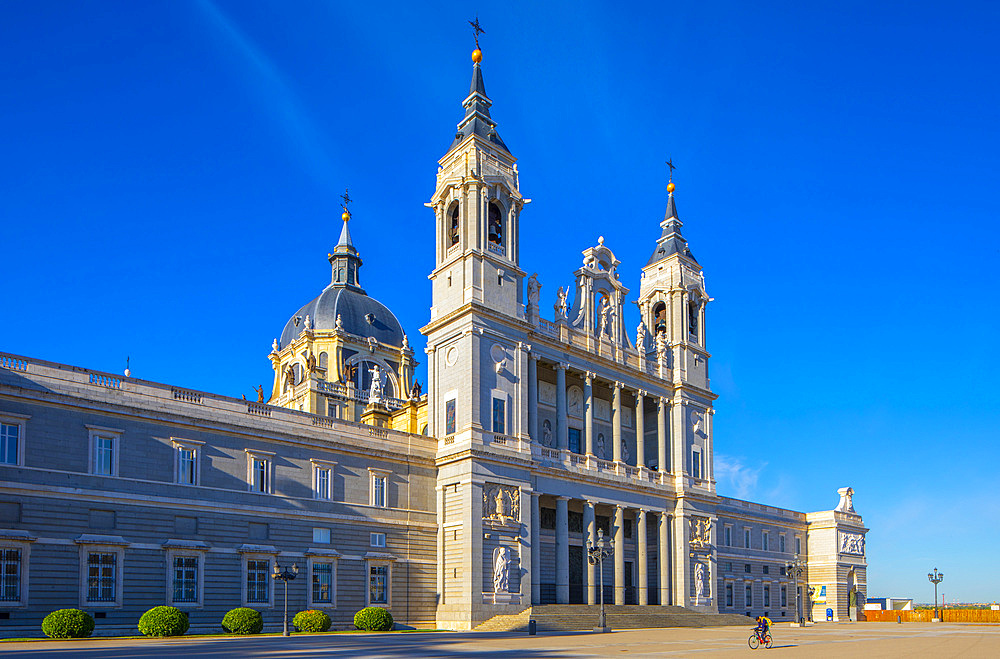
(670,164)
(346,199)
(476,30)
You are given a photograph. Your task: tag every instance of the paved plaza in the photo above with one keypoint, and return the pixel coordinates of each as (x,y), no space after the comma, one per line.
(831,640)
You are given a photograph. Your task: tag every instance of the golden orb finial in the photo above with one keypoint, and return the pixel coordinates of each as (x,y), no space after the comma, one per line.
(477,56)
(670,186)
(345,216)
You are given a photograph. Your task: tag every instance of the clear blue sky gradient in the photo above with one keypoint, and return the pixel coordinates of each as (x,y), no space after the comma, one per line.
(171,170)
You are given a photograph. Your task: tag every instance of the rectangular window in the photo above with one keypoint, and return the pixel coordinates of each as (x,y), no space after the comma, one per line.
(764,537)
(574,440)
(696,464)
(101,575)
(499,416)
(781,543)
(257,581)
(104,455)
(322,583)
(449,417)
(748,596)
(185,579)
(377,539)
(378,491)
(10,575)
(323,482)
(378,584)
(259,470)
(729,594)
(729,567)
(798,545)
(729,536)
(781,570)
(185,465)
(746,568)
(746,538)
(321,536)
(767,596)
(10,436)
(784,597)
(766,569)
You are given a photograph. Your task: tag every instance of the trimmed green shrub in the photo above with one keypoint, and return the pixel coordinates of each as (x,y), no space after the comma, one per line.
(373,619)
(163,621)
(311,621)
(68,623)
(242,621)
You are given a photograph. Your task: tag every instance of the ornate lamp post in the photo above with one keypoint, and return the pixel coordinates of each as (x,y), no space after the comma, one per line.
(596,553)
(285,575)
(795,568)
(935,578)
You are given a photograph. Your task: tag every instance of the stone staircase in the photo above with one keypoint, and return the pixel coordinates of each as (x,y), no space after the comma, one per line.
(577,617)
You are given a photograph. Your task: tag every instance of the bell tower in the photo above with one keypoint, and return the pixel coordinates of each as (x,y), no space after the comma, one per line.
(476,205)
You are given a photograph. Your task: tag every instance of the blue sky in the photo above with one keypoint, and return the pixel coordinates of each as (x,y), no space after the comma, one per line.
(171,171)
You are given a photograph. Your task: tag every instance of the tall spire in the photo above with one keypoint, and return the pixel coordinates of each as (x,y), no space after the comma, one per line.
(477,120)
(345,260)
(671,241)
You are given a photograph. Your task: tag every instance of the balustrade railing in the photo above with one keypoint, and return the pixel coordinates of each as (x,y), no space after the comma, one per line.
(13,363)
(108,381)
(186,395)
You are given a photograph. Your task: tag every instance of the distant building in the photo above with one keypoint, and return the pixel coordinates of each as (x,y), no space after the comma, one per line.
(448,507)
(889,604)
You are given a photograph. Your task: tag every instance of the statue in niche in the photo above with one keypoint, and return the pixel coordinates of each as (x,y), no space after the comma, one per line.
(612,322)
(561,307)
(603,317)
(311,362)
(640,338)
(289,376)
(534,288)
(546,433)
(599,446)
(501,574)
(661,346)
(626,456)
(699,581)
(375,391)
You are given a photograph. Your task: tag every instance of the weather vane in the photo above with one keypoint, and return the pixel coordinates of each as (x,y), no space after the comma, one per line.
(346,215)
(477,30)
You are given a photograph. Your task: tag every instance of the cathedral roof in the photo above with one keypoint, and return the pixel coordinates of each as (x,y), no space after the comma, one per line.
(671,241)
(477,120)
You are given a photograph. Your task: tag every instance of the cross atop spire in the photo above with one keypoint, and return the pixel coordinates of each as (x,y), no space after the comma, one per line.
(670,164)
(346,199)
(476,30)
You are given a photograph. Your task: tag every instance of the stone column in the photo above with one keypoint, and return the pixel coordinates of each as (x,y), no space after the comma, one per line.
(533,397)
(589,533)
(562,550)
(642,558)
(616,423)
(619,555)
(588,425)
(640,429)
(664,558)
(562,428)
(536,554)
(661,434)
(679,445)
(440,543)
(681,560)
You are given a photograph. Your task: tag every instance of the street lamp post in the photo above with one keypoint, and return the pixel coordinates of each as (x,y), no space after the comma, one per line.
(795,567)
(935,578)
(596,553)
(285,575)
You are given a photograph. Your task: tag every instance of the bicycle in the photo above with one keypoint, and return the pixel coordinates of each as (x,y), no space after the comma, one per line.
(756,639)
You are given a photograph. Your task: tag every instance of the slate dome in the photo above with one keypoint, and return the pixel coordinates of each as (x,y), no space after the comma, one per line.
(359,314)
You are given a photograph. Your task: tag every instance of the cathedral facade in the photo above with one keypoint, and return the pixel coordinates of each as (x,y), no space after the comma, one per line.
(540,433)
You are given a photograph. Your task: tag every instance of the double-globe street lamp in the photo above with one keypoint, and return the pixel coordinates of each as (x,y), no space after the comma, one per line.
(596,553)
(935,578)
(795,567)
(285,575)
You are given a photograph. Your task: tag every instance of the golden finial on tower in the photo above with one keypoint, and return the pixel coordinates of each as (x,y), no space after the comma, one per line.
(670,181)
(346,215)
(477,55)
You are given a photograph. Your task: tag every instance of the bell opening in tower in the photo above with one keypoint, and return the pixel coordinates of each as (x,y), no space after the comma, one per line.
(495,226)
(660,317)
(453,227)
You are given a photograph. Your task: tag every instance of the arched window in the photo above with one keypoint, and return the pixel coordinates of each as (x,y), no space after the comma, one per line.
(453,226)
(659,317)
(495,225)
(693,311)
(297,371)
(324,360)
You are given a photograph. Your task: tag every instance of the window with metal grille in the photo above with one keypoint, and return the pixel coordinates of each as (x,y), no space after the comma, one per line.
(257,584)
(322,583)
(322,482)
(9,436)
(101,574)
(378,491)
(185,579)
(748,596)
(10,575)
(378,584)
(729,594)
(767,596)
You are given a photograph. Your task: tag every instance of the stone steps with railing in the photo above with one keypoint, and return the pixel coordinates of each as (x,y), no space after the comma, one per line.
(578,617)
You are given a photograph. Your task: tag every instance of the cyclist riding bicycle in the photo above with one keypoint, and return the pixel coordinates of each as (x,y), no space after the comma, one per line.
(763,625)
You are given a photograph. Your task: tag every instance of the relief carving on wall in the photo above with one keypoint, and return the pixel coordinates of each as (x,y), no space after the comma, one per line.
(701,532)
(852,543)
(574,401)
(501,503)
(546,393)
